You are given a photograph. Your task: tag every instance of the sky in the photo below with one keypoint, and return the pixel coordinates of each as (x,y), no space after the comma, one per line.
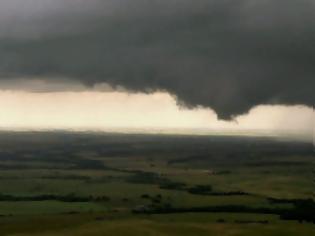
(220,65)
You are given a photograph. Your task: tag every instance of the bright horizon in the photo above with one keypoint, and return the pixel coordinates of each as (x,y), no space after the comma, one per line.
(120,111)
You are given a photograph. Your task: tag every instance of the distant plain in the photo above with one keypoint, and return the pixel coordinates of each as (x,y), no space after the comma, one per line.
(63,183)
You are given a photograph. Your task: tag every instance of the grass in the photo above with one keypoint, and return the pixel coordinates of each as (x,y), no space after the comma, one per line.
(155,227)
(47,207)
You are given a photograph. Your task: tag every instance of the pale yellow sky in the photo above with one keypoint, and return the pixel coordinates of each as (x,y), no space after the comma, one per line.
(99,110)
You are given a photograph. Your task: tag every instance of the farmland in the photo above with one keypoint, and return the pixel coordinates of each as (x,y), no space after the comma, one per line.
(63,183)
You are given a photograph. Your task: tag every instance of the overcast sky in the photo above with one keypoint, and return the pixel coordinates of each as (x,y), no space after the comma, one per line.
(165,63)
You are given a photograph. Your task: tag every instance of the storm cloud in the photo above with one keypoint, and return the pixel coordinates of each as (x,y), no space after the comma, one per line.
(229,55)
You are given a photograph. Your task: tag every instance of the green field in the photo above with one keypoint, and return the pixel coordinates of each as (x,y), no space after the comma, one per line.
(109,184)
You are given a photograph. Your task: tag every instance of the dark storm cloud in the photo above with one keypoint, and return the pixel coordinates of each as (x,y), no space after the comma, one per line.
(229,55)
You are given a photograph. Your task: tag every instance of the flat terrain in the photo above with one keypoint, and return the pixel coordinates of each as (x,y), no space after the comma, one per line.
(59,183)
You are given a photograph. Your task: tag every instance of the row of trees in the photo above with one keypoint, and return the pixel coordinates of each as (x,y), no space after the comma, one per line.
(51,197)
(302,210)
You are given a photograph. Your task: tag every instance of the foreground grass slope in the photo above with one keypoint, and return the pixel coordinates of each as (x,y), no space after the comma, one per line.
(85,226)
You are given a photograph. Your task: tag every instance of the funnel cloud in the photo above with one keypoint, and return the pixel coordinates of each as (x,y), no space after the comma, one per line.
(229,55)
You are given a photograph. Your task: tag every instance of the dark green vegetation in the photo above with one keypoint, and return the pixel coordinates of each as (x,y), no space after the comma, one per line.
(109,184)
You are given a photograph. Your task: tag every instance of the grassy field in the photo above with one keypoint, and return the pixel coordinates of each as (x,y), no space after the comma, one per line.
(105,184)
